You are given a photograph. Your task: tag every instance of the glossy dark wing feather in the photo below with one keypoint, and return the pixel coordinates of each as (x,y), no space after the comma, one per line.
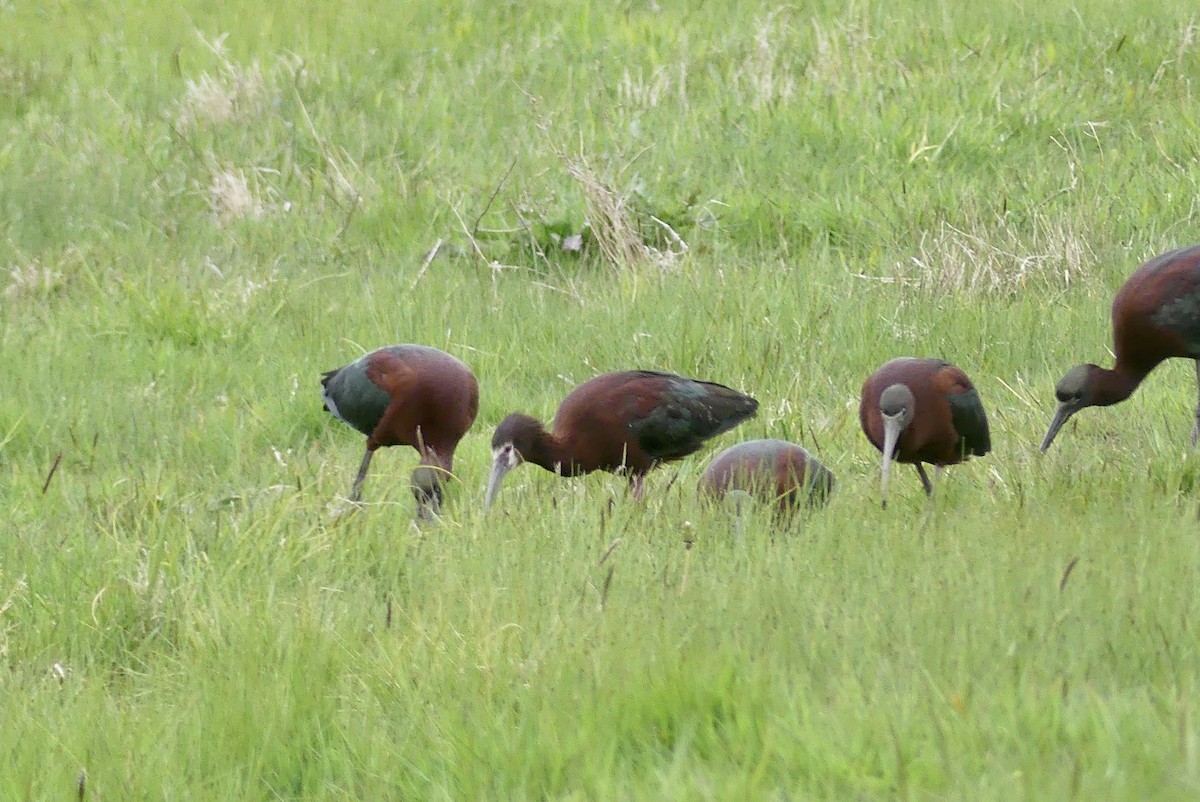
(1180,315)
(970,421)
(353,397)
(689,412)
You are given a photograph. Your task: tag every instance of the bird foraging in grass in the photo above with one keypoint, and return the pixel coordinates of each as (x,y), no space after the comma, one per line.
(775,471)
(628,421)
(922,411)
(1155,316)
(406,395)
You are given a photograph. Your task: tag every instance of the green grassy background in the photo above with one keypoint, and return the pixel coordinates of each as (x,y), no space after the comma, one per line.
(202,209)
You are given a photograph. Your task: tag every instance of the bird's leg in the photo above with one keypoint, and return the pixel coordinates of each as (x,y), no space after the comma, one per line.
(925,483)
(937,477)
(1196,425)
(356,488)
(926,517)
(737,505)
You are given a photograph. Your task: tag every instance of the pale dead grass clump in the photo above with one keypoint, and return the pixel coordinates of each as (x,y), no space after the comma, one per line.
(764,78)
(608,211)
(842,52)
(1000,261)
(237,291)
(243,289)
(614,222)
(1177,66)
(640,90)
(620,230)
(235,92)
(231,197)
(33,280)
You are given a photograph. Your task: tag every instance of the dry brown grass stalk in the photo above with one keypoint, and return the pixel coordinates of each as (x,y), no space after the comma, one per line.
(1000,261)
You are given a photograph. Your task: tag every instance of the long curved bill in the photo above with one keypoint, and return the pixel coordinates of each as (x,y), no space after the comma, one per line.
(500,466)
(1060,417)
(891,434)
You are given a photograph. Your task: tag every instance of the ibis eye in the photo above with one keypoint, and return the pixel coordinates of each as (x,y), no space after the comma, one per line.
(509,454)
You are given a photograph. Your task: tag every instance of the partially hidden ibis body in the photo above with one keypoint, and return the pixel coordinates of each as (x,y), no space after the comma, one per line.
(776,471)
(629,421)
(406,395)
(1155,316)
(922,411)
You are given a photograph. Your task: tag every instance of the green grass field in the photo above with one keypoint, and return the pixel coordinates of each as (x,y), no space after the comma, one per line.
(201,210)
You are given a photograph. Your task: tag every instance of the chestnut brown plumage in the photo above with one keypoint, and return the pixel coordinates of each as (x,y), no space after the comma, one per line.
(406,395)
(922,411)
(1155,316)
(776,471)
(629,421)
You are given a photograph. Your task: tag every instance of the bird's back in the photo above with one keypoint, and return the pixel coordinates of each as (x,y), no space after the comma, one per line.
(641,417)
(1156,313)
(774,468)
(431,389)
(674,415)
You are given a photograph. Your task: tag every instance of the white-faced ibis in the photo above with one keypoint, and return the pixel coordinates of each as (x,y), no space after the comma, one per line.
(622,422)
(922,410)
(1155,316)
(406,395)
(776,471)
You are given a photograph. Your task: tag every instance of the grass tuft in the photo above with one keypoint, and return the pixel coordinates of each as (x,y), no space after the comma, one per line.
(193,228)
(33,281)
(231,197)
(235,93)
(998,261)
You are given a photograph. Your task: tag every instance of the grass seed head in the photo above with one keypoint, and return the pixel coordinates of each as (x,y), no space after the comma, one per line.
(33,280)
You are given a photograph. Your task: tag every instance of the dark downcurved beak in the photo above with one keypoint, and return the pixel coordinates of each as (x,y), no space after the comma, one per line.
(1061,415)
(499,468)
(891,434)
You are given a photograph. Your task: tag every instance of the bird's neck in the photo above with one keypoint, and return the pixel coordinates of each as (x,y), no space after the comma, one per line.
(1111,386)
(550,453)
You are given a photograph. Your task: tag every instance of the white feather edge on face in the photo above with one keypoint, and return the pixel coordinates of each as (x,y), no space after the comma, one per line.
(507,454)
(504,458)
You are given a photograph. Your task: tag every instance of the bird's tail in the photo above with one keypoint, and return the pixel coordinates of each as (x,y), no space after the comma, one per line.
(731,408)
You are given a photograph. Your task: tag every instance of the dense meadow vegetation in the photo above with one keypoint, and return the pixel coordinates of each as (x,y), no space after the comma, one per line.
(203,206)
